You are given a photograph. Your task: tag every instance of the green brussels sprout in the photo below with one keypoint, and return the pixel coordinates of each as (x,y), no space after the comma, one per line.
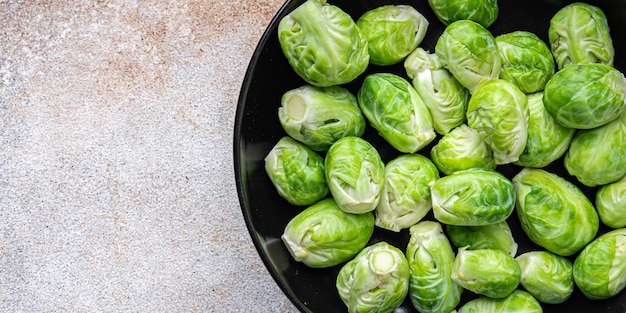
(494,236)
(488,272)
(600,268)
(297,172)
(579,34)
(430,257)
(484,12)
(396,111)
(473,197)
(527,60)
(323,44)
(553,212)
(444,96)
(354,174)
(585,96)
(517,301)
(598,156)
(376,280)
(498,110)
(611,203)
(547,140)
(468,50)
(462,149)
(323,235)
(405,195)
(547,276)
(318,116)
(392,32)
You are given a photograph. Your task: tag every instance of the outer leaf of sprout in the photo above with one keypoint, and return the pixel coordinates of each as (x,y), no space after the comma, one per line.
(297,172)
(468,50)
(598,156)
(323,235)
(547,276)
(431,257)
(553,212)
(484,12)
(392,32)
(600,268)
(611,203)
(396,111)
(473,197)
(444,96)
(517,301)
(547,140)
(579,34)
(526,60)
(585,96)
(462,149)
(489,272)
(495,236)
(498,110)
(405,197)
(323,44)
(354,174)
(318,116)
(376,280)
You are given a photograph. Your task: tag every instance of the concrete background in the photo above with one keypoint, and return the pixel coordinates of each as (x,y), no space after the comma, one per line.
(117,190)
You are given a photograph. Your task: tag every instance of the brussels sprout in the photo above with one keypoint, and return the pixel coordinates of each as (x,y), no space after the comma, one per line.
(527,60)
(354,174)
(484,12)
(498,110)
(323,44)
(495,236)
(547,140)
(462,149)
(396,111)
(323,235)
(489,272)
(579,33)
(585,96)
(473,197)
(318,116)
(376,280)
(431,257)
(547,276)
(611,204)
(600,268)
(444,96)
(405,196)
(469,52)
(553,212)
(392,32)
(517,301)
(598,156)
(297,172)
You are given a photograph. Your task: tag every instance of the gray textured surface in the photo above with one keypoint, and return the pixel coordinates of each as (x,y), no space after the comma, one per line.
(116,184)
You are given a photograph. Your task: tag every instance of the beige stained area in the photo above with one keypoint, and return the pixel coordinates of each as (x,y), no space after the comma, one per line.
(117,190)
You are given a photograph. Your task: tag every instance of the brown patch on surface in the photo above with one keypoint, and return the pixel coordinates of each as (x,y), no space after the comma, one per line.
(219,19)
(121,57)
(119,47)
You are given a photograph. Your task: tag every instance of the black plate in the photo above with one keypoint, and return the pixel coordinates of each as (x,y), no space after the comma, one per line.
(257,130)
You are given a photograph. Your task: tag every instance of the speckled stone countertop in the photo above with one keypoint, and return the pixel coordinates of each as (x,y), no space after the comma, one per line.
(117,189)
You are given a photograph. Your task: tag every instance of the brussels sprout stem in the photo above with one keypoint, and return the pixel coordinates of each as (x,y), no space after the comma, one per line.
(296,107)
(298,252)
(382,262)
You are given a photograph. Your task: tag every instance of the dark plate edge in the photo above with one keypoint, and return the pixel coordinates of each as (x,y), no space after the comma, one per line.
(237,160)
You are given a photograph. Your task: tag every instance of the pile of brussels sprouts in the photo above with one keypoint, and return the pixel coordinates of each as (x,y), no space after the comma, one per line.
(508,99)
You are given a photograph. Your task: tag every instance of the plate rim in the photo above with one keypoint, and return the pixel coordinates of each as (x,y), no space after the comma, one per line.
(237,155)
